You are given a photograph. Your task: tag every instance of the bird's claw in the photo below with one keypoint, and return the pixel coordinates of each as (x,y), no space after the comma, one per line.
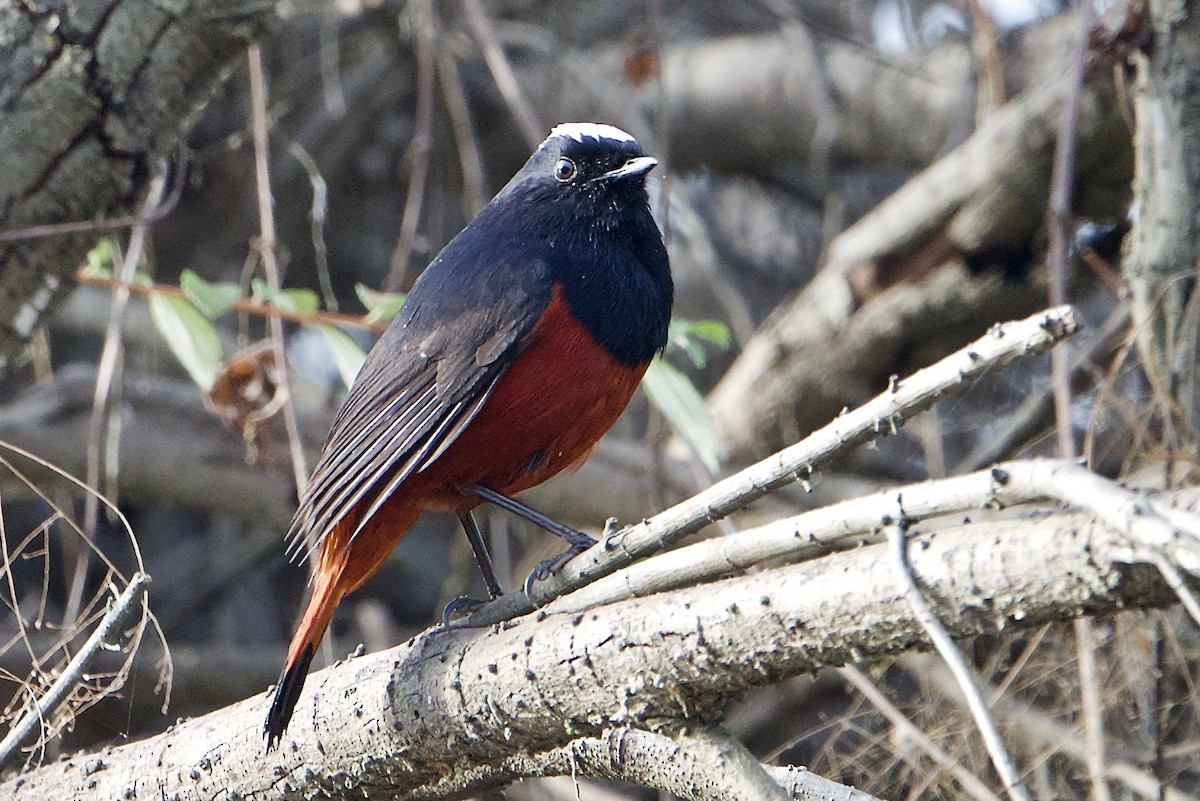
(463,605)
(545,569)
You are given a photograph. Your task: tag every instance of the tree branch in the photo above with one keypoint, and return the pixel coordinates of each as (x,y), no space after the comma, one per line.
(464,701)
(95,96)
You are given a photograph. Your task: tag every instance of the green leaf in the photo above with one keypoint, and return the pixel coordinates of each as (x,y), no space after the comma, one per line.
(673,394)
(260,292)
(189,335)
(688,336)
(211,299)
(100,260)
(304,301)
(714,332)
(347,355)
(381,306)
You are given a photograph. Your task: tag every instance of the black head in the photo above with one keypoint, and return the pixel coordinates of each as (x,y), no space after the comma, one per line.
(578,213)
(582,165)
(583,193)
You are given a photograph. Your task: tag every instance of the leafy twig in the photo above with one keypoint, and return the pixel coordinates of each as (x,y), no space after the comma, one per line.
(242,305)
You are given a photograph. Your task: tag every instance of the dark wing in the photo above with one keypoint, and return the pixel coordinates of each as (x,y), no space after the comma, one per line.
(424,381)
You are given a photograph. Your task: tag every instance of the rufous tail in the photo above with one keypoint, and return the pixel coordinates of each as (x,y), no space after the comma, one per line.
(327,593)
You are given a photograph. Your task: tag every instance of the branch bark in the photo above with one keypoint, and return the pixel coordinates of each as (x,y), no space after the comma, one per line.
(459,711)
(1161,252)
(95,93)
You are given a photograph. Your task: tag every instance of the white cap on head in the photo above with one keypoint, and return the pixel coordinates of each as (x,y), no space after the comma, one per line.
(595,130)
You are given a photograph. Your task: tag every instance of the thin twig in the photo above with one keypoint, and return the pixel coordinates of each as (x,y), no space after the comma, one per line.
(1091,707)
(317,215)
(910,732)
(1037,410)
(1058,218)
(267,243)
(897,539)
(502,73)
(417,156)
(102,223)
(466,142)
(109,634)
(106,372)
(990,92)
(878,417)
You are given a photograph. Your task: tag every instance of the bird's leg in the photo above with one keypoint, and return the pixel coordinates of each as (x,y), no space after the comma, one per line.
(577,540)
(465,604)
(475,537)
(574,537)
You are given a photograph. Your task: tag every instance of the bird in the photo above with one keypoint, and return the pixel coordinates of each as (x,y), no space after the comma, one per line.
(516,349)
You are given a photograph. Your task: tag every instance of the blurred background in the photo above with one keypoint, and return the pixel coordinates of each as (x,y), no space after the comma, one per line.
(850,189)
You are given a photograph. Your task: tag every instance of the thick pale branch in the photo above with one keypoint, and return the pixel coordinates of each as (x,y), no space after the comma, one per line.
(628,754)
(465,700)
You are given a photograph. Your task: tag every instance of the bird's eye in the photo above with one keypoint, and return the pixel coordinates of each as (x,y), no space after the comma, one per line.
(564,169)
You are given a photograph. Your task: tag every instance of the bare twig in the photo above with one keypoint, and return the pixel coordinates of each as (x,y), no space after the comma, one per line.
(502,73)
(1037,410)
(880,416)
(316,215)
(1058,218)
(912,733)
(958,666)
(102,223)
(417,157)
(990,92)
(106,372)
(466,142)
(266,250)
(1091,707)
(111,633)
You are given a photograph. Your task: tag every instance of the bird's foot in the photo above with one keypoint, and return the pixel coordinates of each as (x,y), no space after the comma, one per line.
(461,606)
(545,569)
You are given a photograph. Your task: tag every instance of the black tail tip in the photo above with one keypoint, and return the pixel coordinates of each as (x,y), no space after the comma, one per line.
(287,693)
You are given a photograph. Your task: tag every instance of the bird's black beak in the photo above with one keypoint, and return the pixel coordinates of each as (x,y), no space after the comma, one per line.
(635,166)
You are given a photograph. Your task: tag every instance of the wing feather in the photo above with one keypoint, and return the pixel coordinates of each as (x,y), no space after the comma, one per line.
(419,388)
